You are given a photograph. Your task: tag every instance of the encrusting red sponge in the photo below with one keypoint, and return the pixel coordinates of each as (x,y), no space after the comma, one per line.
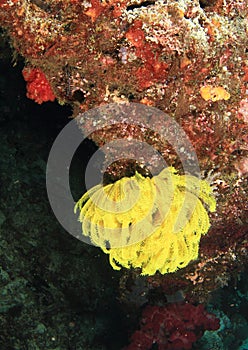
(38,87)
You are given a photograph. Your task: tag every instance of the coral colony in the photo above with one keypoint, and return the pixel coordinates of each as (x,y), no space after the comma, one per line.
(175,326)
(187,58)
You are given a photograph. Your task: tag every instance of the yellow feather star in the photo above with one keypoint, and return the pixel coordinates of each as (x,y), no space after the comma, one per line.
(154,224)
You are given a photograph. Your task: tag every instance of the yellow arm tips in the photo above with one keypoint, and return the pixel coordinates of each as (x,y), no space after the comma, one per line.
(141,234)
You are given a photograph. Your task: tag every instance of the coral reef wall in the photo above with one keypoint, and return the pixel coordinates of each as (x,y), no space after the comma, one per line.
(187,58)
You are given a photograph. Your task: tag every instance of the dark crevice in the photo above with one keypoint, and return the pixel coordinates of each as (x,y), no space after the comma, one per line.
(206,3)
(142,4)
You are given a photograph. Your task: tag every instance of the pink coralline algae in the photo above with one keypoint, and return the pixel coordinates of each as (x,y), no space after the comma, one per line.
(243,109)
(38,87)
(172,327)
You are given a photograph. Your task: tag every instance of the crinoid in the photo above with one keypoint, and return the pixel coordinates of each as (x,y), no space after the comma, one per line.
(154,224)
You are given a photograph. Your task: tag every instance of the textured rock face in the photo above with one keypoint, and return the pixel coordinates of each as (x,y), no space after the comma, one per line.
(187,58)
(155,52)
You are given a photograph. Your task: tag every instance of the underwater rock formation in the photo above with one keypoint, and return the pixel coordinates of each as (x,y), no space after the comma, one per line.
(187,58)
